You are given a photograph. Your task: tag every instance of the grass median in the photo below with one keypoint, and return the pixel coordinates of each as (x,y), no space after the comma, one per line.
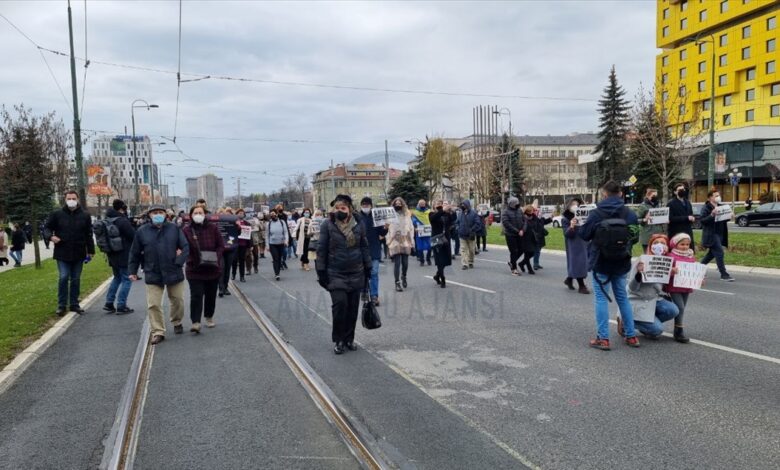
(28,298)
(745,249)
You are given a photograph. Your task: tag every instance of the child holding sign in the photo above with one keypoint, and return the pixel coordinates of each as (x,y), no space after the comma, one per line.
(681,253)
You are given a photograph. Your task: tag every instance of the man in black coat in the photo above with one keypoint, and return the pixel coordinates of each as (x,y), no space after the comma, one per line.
(715,235)
(71,233)
(374,246)
(121,284)
(164,249)
(680,213)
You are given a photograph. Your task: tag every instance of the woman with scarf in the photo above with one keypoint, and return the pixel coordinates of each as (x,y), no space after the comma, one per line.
(239,261)
(530,234)
(441,224)
(203,279)
(681,253)
(301,234)
(400,240)
(343,268)
(576,249)
(422,224)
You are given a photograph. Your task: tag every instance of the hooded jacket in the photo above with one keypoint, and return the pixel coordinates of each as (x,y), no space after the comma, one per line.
(119,259)
(74,229)
(612,207)
(512,218)
(156,246)
(468,222)
(372,235)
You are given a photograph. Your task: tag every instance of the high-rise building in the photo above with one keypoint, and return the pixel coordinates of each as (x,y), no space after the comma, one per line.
(116,154)
(208,187)
(737,40)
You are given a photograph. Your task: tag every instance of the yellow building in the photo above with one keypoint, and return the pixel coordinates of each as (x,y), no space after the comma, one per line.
(744,35)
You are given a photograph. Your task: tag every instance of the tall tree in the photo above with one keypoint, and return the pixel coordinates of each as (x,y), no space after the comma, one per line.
(439,161)
(507,164)
(614,122)
(409,187)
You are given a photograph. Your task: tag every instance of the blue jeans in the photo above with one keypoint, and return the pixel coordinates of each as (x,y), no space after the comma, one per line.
(16,256)
(664,311)
(716,251)
(537,254)
(457,246)
(618,285)
(120,283)
(70,272)
(373,283)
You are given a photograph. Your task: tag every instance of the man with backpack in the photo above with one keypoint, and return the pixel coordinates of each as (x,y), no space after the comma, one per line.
(609,230)
(114,235)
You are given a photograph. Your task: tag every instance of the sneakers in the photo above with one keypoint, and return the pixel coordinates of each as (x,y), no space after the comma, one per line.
(178,329)
(157,339)
(210,322)
(598,343)
(195,328)
(109,308)
(124,310)
(464,267)
(632,341)
(278,277)
(727,278)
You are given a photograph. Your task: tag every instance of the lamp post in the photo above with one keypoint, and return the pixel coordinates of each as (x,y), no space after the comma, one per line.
(135,152)
(511,144)
(734,176)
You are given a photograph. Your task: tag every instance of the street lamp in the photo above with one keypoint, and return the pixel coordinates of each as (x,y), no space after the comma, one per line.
(511,143)
(135,152)
(711,157)
(734,176)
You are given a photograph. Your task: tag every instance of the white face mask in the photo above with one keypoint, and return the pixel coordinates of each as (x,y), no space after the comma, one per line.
(717,199)
(573,207)
(71,203)
(658,249)
(198,218)
(365,210)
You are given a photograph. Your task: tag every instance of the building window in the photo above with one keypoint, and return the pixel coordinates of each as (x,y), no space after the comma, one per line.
(771,23)
(750,74)
(545,153)
(684,23)
(775,89)
(749,115)
(702,47)
(727,119)
(705,123)
(774,110)
(683,72)
(770,66)
(724,39)
(665,61)
(705,105)
(664,78)
(722,80)
(724,6)
(723,60)
(702,85)
(750,95)
(536,153)
(665,31)
(666,13)
(745,32)
(683,54)
(687,127)
(745,53)
(682,91)
(770,45)
(702,66)
(571,153)
(703,15)
(684,5)
(681,109)
(554,153)
(664,96)
(727,100)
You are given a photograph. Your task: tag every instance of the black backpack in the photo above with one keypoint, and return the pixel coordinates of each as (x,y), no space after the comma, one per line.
(613,240)
(107,235)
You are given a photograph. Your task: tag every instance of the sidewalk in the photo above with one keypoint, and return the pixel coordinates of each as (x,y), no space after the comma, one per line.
(28,255)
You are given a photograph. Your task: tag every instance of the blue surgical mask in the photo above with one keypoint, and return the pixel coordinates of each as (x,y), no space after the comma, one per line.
(158,219)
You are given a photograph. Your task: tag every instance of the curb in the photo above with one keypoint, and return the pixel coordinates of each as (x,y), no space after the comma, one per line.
(24,359)
(732,268)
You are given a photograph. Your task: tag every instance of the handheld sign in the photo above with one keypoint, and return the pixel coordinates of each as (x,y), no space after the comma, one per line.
(582,213)
(383,215)
(657,268)
(690,275)
(723,212)
(658,216)
(424,231)
(246,232)
(546,212)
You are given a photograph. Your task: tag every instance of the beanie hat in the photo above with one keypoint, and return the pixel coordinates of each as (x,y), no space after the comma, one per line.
(678,238)
(366,200)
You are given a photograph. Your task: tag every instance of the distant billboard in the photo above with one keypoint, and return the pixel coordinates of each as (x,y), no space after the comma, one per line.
(98,180)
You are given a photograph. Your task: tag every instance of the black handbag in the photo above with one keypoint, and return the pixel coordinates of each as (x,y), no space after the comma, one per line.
(438,240)
(206,259)
(370,316)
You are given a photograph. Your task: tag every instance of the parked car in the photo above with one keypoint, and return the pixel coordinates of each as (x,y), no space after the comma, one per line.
(762,215)
(557,221)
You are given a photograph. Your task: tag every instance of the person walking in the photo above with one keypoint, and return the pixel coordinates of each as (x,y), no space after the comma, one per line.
(74,245)
(576,249)
(253,252)
(512,222)
(400,240)
(680,213)
(283,217)
(18,240)
(44,234)
(28,232)
(203,272)
(163,249)
(373,235)
(480,233)
(715,235)
(261,235)
(119,289)
(314,234)
(454,214)
(681,253)
(301,236)
(278,238)
(231,232)
(484,215)
(643,214)
(239,260)
(343,269)
(529,240)
(422,225)
(609,257)
(3,246)
(468,228)
(441,224)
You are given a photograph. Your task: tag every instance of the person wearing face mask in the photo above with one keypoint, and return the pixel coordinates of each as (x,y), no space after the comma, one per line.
(373,235)
(681,252)
(203,278)
(441,222)
(643,214)
(421,220)
(119,289)
(650,307)
(531,238)
(715,235)
(468,228)
(278,236)
(680,213)
(343,269)
(74,245)
(512,223)
(18,240)
(301,235)
(163,249)
(576,249)
(400,240)
(454,238)
(239,260)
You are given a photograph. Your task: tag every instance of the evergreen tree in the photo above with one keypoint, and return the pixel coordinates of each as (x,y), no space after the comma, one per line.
(409,188)
(614,121)
(503,167)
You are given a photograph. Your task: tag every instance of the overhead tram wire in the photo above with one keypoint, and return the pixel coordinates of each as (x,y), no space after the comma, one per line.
(255,139)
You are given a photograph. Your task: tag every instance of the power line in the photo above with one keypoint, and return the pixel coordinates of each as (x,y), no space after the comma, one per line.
(252,139)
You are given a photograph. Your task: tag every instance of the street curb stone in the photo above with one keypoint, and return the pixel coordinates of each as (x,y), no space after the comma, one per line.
(24,359)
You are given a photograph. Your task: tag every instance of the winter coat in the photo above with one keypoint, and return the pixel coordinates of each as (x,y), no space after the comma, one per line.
(372,235)
(482,229)
(678,259)
(18,240)
(441,223)
(3,244)
(512,221)
(118,259)
(576,249)
(468,222)
(647,231)
(278,233)
(74,229)
(533,234)
(258,231)
(156,248)
(613,208)
(345,268)
(400,234)
(208,239)
(644,291)
(711,229)
(679,210)
(301,233)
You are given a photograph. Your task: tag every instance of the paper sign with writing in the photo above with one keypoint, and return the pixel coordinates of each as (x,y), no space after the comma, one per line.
(658,215)
(657,268)
(424,231)
(582,213)
(690,275)
(315,225)
(546,212)
(246,232)
(723,212)
(383,215)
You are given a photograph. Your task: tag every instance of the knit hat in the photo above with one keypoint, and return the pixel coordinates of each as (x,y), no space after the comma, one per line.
(342,198)
(366,200)
(678,238)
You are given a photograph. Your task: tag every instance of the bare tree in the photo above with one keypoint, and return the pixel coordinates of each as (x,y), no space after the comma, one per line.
(439,161)
(296,185)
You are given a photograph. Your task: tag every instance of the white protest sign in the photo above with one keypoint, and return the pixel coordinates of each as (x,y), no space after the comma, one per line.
(264,209)
(315,225)
(689,275)
(546,212)
(657,216)
(246,232)
(723,212)
(657,268)
(383,215)
(424,231)
(582,213)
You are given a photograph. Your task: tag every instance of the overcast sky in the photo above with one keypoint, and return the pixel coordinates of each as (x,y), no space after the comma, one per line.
(544,48)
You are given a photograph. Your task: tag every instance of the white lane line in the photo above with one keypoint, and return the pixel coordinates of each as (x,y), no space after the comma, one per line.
(761,357)
(490,260)
(468,286)
(717,292)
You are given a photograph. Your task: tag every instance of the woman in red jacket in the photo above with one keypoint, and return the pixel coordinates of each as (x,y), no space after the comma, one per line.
(203,278)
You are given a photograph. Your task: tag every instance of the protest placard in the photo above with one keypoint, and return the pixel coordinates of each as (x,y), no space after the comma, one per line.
(264,209)
(546,212)
(723,212)
(657,268)
(690,275)
(658,215)
(582,213)
(246,232)
(424,231)
(383,215)
(315,225)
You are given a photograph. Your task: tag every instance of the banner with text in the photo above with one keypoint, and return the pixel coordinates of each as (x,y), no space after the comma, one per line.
(658,216)
(383,215)
(690,275)
(582,213)
(723,212)
(657,268)
(546,212)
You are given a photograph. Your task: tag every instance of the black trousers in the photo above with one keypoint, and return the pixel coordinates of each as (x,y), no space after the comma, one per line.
(483,239)
(239,261)
(227,262)
(276,253)
(203,298)
(400,262)
(345,313)
(527,257)
(515,250)
(305,254)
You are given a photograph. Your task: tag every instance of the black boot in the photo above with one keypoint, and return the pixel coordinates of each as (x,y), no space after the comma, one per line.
(403,281)
(679,335)
(398,287)
(436,278)
(569,283)
(339,348)
(443,282)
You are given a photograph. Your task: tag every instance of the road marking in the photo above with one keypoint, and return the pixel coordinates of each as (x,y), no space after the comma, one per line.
(717,292)
(761,357)
(468,286)
(491,260)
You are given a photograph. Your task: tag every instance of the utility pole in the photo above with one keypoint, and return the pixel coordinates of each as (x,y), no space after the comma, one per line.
(387,174)
(76,119)
(332,180)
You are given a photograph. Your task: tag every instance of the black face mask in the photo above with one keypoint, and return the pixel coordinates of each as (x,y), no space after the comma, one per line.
(342,215)
(463,207)
(399,208)
(683,193)
(439,208)
(654,199)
